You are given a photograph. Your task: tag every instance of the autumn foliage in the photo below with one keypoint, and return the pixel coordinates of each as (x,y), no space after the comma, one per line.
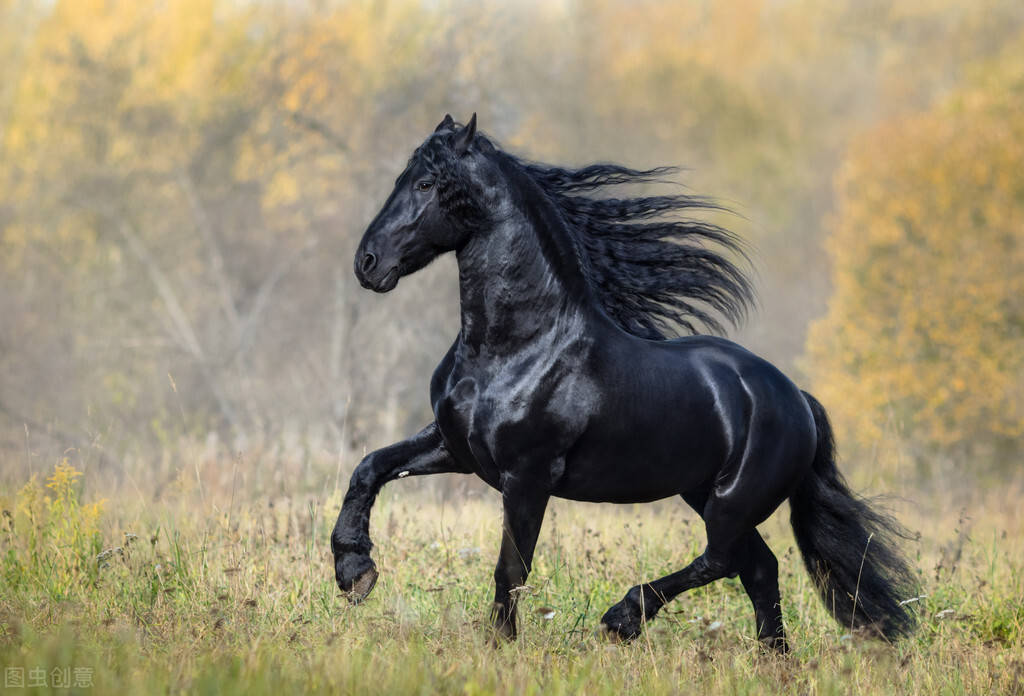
(182,185)
(924,335)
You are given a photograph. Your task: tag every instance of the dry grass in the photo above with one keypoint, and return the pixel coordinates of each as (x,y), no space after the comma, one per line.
(216,589)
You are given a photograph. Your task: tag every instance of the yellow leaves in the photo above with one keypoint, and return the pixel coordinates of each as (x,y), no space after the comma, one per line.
(58,536)
(727,37)
(923,335)
(62,479)
(104,21)
(183,60)
(169,39)
(31,502)
(290,119)
(282,190)
(77,520)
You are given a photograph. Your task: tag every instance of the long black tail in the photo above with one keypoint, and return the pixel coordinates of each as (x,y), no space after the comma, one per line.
(850,549)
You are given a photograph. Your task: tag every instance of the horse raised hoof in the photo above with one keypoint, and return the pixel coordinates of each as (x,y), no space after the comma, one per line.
(356,575)
(623,622)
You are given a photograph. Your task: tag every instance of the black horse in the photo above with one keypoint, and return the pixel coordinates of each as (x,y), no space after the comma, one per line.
(563,382)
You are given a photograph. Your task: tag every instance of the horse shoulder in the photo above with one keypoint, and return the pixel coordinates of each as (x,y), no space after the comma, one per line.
(439,379)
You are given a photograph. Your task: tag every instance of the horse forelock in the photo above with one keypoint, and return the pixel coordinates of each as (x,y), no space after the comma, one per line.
(438,149)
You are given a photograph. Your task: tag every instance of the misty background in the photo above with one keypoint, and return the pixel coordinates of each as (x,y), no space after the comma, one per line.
(183,184)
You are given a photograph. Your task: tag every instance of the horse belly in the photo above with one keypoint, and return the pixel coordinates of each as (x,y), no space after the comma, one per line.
(640,468)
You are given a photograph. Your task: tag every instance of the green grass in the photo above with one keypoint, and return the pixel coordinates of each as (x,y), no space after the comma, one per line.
(224,591)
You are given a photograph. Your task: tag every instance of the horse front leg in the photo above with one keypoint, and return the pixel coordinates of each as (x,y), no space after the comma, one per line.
(524,507)
(424,453)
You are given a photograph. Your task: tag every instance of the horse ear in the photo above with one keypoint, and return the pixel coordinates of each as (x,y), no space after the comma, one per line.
(465,136)
(448,122)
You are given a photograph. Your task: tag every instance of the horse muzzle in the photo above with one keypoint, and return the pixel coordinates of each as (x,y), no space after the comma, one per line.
(372,276)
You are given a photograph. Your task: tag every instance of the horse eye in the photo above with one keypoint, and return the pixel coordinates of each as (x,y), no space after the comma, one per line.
(424,185)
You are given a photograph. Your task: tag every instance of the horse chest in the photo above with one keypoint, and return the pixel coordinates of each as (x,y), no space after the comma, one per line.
(494,419)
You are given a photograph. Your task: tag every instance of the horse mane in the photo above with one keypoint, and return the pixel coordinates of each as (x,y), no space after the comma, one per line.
(654,274)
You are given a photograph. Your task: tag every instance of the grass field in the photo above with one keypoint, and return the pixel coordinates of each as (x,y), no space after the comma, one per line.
(217,588)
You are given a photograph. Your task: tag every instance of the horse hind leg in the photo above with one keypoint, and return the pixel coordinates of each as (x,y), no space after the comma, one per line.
(641,604)
(757,568)
(758,494)
(731,514)
(759,573)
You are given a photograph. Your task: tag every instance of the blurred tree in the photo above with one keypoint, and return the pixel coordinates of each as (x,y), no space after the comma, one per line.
(182,183)
(110,114)
(924,336)
(182,190)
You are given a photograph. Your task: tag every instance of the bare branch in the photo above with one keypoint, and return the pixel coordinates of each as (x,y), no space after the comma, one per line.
(263,294)
(320,128)
(180,321)
(202,222)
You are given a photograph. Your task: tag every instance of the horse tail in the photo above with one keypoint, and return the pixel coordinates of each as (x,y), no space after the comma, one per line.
(850,549)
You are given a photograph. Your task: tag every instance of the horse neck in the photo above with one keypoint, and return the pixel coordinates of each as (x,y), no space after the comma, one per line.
(520,278)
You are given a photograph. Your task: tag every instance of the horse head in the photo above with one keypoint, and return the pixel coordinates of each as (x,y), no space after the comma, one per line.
(432,210)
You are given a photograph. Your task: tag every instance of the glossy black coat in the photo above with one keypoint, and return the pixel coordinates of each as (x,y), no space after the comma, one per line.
(544,394)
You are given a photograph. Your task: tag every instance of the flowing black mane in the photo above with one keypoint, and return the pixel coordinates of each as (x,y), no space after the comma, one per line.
(653,274)
(656,274)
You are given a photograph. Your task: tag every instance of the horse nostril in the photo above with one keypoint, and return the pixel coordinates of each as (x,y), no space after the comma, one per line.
(369,261)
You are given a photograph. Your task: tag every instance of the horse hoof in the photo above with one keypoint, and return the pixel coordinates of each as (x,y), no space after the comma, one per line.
(617,634)
(501,635)
(607,633)
(503,628)
(356,575)
(618,629)
(775,645)
(625,620)
(363,585)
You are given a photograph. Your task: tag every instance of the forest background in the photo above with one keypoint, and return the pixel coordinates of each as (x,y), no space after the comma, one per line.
(182,185)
